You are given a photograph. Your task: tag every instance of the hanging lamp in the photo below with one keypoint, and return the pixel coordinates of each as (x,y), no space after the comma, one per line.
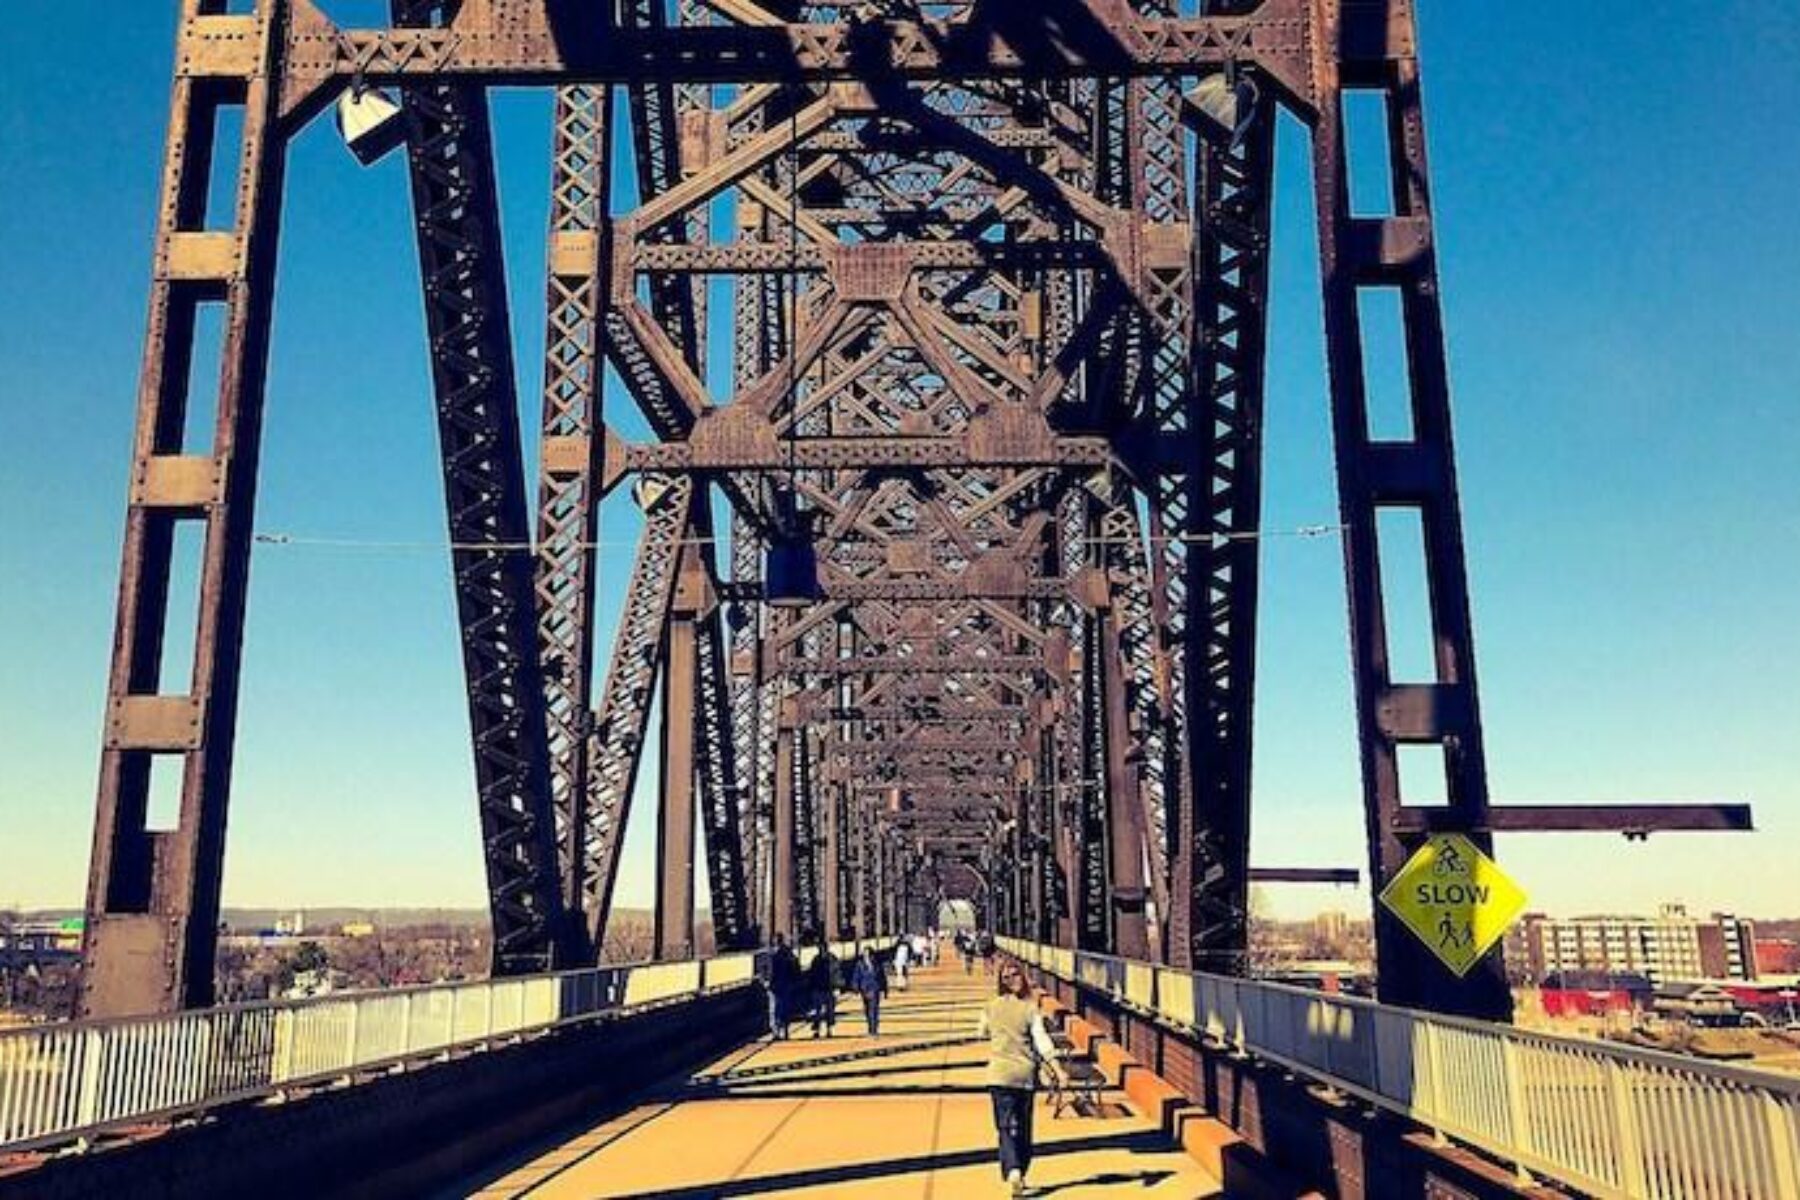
(791,560)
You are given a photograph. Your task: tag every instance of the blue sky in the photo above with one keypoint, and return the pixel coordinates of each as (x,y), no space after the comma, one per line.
(1621,264)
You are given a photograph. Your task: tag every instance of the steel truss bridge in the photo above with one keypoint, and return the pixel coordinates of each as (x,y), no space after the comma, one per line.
(951,595)
(998,280)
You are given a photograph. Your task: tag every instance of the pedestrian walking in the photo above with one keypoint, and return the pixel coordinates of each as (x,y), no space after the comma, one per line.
(784,986)
(821,988)
(1017,1043)
(869,981)
(902,960)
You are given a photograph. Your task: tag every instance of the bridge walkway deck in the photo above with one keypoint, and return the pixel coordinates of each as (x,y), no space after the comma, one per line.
(899,1117)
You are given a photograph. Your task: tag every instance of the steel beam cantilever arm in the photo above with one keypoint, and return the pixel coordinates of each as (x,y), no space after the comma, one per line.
(1632,820)
(520,42)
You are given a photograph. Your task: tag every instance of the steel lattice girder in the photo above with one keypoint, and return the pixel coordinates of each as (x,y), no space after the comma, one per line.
(990,341)
(523,42)
(454,194)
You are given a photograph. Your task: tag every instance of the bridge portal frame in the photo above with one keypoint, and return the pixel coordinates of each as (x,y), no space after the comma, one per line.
(1164,641)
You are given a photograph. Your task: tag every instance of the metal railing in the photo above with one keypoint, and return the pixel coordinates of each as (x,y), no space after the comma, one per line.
(62,1082)
(1610,1120)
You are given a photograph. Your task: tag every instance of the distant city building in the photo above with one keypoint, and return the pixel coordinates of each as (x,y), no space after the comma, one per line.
(1593,993)
(1777,956)
(43,938)
(1728,948)
(1332,926)
(292,926)
(358,929)
(1669,946)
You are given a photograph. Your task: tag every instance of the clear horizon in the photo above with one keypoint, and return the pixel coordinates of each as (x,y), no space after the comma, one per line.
(1626,379)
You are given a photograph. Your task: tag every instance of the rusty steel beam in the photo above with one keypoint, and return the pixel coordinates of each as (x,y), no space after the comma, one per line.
(766,455)
(1413,477)
(569,485)
(1339,875)
(1003,43)
(899,664)
(1632,820)
(1213,571)
(456,202)
(153,893)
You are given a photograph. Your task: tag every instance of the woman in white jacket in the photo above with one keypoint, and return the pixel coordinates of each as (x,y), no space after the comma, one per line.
(1017,1042)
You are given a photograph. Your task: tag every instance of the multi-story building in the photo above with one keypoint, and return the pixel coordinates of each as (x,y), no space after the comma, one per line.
(1671,945)
(1728,948)
(1331,926)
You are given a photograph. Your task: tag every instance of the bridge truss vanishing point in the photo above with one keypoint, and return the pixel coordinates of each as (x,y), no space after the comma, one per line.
(997,277)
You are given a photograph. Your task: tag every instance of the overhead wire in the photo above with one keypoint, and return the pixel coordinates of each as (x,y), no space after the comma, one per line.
(339,542)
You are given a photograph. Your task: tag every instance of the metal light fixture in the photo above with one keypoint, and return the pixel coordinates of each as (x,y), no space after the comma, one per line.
(791,567)
(791,563)
(371,124)
(1226,102)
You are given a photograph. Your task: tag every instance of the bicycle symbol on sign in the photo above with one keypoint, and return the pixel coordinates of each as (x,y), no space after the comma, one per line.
(1449,861)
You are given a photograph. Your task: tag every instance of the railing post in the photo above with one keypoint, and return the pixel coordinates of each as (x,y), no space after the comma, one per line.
(1784,1155)
(1629,1149)
(92,1059)
(1513,1080)
(406,1007)
(284,1046)
(1434,1073)
(350,1037)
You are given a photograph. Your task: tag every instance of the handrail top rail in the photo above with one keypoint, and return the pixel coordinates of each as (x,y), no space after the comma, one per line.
(1664,1059)
(352,995)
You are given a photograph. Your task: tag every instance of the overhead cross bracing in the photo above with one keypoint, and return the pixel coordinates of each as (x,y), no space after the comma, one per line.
(987,468)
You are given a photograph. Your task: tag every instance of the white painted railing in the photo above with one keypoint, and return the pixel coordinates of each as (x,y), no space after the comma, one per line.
(1610,1120)
(63,1082)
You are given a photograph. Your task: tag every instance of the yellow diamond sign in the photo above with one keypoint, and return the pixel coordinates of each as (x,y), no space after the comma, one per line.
(1456,899)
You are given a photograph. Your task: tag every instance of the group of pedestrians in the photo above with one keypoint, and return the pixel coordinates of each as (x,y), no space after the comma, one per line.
(801,995)
(975,946)
(1019,1043)
(808,995)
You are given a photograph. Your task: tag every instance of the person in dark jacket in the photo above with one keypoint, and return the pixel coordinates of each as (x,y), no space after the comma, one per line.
(821,987)
(784,987)
(869,981)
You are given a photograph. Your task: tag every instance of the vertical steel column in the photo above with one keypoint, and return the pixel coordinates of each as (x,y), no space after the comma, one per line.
(1373,46)
(622,721)
(884,881)
(153,894)
(1093,829)
(1153,625)
(859,825)
(456,200)
(752,726)
(835,865)
(807,884)
(675,801)
(781,897)
(569,470)
(1126,891)
(723,823)
(1223,510)
(1053,886)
